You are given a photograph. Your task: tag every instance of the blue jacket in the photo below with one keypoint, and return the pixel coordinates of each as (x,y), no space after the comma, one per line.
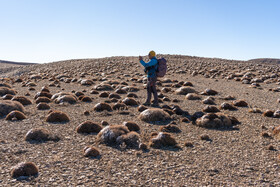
(152,62)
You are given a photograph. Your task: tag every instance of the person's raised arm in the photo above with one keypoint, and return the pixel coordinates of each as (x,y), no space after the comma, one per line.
(152,62)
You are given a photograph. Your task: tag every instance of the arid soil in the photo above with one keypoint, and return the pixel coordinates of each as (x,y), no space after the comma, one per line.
(240,155)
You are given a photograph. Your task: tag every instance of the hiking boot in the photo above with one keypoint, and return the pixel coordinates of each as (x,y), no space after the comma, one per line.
(146,104)
(155,105)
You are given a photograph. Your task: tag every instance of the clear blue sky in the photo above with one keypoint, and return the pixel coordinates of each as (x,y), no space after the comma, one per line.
(52,30)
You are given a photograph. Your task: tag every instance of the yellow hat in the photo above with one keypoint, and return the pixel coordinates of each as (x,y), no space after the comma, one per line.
(152,53)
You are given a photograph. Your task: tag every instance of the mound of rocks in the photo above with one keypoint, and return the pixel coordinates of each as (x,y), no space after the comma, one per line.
(162,139)
(101,107)
(7,106)
(24,169)
(5,85)
(211,120)
(130,101)
(210,109)
(240,103)
(192,96)
(43,106)
(86,99)
(268,113)
(227,106)
(120,106)
(184,90)
(87,82)
(209,92)
(88,127)
(23,100)
(132,126)
(131,139)
(43,100)
(209,101)
(57,116)
(43,94)
(5,90)
(41,135)
(7,97)
(141,108)
(170,128)
(15,115)
(153,115)
(63,97)
(103,87)
(109,134)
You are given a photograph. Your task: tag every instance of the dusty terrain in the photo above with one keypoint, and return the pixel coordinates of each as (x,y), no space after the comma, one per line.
(237,156)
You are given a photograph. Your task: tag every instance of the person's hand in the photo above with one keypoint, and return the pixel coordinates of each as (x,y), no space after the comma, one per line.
(140,58)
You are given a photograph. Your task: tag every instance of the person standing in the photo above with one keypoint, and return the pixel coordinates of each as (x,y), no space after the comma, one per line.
(150,69)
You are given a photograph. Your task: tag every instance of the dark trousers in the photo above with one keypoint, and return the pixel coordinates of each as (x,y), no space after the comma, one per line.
(151,88)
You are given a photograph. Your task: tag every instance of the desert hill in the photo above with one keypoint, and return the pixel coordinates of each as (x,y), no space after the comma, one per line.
(82,122)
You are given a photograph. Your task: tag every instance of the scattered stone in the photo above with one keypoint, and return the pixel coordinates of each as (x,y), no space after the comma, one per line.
(188,144)
(270,147)
(276,114)
(265,135)
(185,120)
(205,137)
(143,146)
(255,110)
(104,123)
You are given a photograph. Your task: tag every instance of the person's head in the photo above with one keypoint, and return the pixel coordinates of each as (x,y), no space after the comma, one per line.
(152,54)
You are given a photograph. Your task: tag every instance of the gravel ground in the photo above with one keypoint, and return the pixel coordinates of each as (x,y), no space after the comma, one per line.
(233,157)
